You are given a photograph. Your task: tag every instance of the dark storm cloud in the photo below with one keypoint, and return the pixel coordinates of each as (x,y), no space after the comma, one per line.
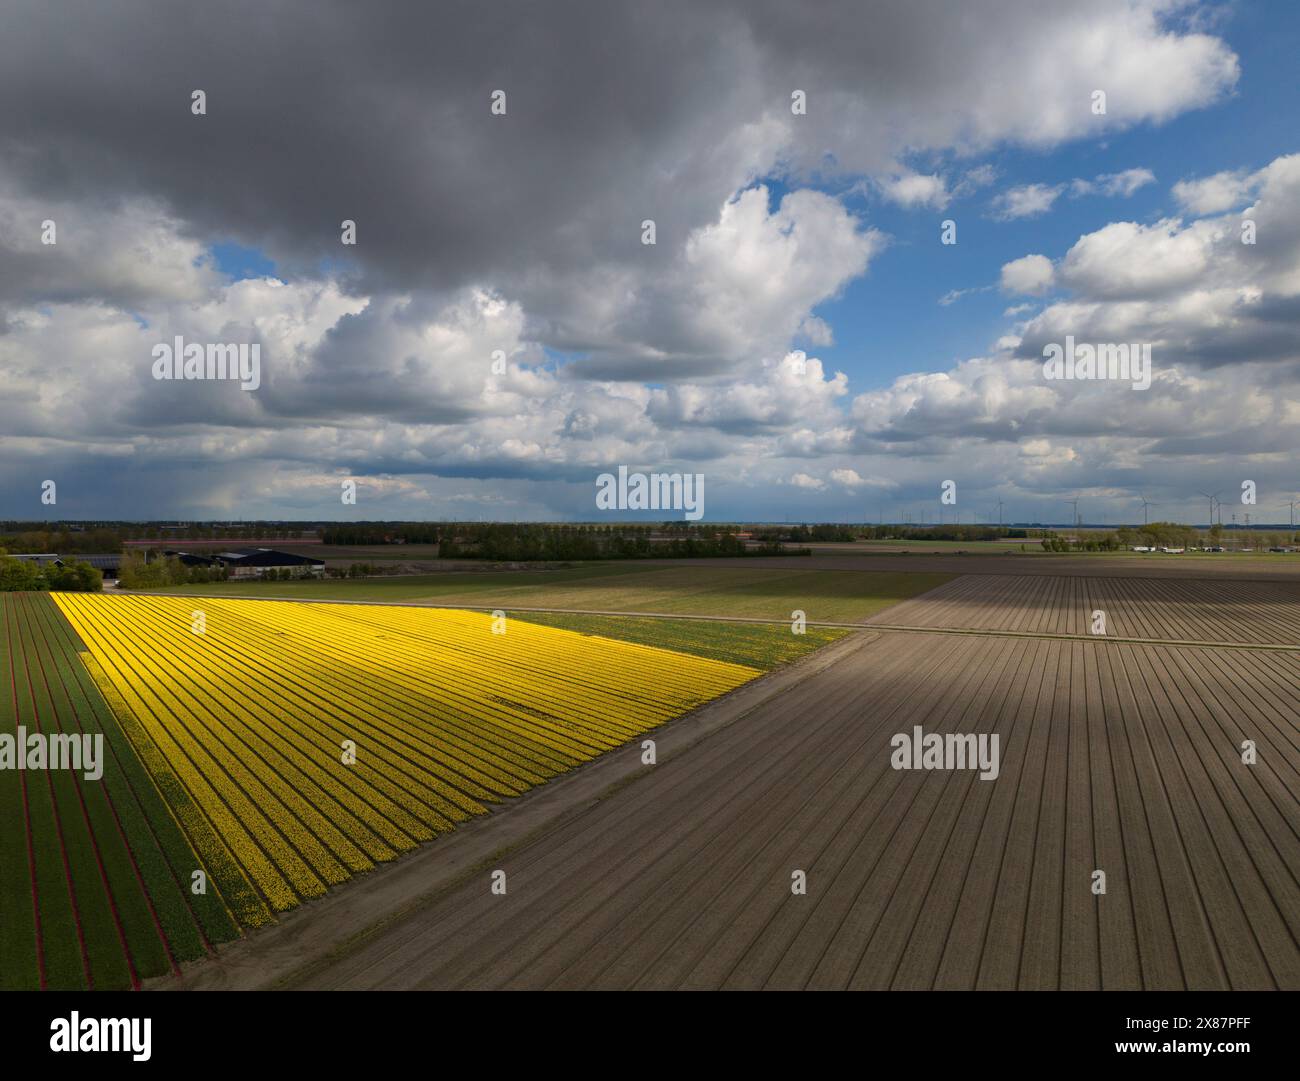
(617,112)
(319,112)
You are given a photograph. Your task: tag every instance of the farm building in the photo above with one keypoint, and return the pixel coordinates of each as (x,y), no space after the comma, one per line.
(41,559)
(107,565)
(249,562)
(254,562)
(189,559)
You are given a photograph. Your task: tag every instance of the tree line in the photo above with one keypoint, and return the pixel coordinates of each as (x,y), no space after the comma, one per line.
(23,575)
(197,531)
(138,572)
(830,533)
(523,542)
(1167,535)
(371,533)
(62,541)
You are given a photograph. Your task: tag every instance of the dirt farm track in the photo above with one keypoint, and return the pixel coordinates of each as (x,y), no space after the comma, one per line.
(1116,757)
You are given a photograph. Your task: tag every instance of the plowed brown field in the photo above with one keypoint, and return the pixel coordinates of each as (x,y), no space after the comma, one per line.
(1187,610)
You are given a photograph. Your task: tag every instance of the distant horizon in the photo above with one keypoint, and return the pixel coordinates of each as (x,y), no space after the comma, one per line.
(312,522)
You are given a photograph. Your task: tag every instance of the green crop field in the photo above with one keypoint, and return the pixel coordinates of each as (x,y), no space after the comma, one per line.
(94,874)
(692,589)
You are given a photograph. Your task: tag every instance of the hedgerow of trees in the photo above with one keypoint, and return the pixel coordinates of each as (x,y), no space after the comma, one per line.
(829,533)
(62,542)
(364,533)
(22,575)
(137,572)
(219,531)
(1167,535)
(531,542)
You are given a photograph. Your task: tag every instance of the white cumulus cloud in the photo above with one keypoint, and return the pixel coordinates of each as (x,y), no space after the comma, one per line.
(1030,275)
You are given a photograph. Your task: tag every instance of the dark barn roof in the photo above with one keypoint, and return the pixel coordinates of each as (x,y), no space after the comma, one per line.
(267,557)
(189,559)
(99,562)
(109,563)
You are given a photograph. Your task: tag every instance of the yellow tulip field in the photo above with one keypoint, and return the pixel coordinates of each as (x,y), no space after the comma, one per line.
(300,744)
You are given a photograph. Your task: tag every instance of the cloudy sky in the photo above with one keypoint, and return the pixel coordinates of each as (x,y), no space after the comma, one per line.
(799,333)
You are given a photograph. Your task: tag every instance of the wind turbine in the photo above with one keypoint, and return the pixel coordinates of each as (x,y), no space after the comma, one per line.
(1293,504)
(999,512)
(1075,504)
(1146,503)
(1211,498)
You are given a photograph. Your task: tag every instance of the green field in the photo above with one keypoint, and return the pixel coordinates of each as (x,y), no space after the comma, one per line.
(692,589)
(94,874)
(756,644)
